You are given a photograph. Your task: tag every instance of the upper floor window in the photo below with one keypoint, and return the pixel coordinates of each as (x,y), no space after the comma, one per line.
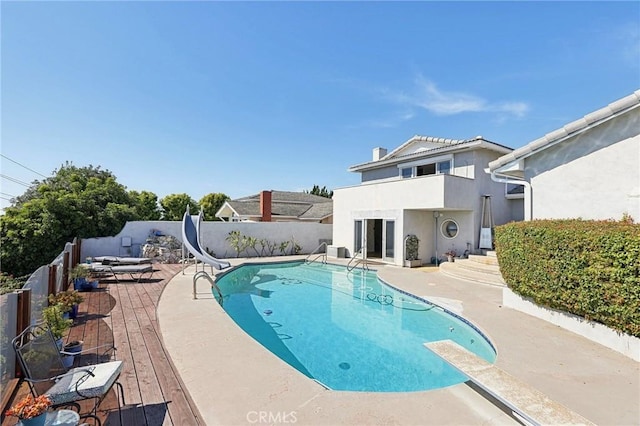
(427,169)
(444,167)
(435,168)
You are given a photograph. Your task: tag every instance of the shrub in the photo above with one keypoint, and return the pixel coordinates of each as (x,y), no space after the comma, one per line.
(587,268)
(412,244)
(8,283)
(66,299)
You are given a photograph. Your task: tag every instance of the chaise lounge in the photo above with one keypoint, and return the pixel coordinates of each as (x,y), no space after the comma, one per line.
(116,260)
(143,271)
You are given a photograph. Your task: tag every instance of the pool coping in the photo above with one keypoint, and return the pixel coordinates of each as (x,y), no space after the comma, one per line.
(270,388)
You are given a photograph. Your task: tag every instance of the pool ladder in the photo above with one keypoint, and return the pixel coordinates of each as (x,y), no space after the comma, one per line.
(322,255)
(358,260)
(214,287)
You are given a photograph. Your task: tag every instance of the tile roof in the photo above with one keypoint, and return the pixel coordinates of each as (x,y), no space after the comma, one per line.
(289,196)
(588,121)
(318,211)
(286,204)
(446,145)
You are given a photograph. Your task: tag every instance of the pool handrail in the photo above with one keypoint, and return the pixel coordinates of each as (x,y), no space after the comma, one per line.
(322,255)
(358,260)
(214,286)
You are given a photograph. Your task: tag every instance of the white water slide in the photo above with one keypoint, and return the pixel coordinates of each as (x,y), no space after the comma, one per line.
(191,240)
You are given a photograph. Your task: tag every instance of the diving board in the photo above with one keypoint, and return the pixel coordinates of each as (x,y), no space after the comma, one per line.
(526,402)
(191,240)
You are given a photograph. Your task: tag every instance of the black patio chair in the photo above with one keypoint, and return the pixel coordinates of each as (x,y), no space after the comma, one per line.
(44,371)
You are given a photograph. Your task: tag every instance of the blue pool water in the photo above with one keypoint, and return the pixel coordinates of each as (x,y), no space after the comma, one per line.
(347,330)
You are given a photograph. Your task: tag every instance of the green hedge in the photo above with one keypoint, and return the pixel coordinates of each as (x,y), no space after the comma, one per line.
(588,268)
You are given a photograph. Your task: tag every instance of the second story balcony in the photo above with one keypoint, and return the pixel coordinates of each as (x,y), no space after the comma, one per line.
(441,191)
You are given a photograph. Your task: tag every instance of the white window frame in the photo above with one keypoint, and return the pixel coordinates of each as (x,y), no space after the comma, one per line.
(413,165)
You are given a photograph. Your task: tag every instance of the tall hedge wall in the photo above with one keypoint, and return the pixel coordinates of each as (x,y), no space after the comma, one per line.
(587,268)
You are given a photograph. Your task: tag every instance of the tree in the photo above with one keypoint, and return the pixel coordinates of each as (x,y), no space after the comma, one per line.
(174,206)
(323,192)
(211,203)
(145,204)
(74,202)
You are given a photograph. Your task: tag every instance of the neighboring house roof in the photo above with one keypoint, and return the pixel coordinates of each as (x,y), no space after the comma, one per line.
(587,122)
(429,146)
(318,211)
(284,204)
(289,197)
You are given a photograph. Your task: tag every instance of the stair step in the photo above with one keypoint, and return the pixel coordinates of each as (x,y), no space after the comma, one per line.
(474,266)
(487,260)
(492,253)
(461,269)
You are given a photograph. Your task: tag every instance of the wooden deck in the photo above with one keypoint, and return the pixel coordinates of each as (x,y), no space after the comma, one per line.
(124,314)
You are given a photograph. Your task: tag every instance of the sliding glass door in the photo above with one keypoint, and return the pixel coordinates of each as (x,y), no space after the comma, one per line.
(358,233)
(376,238)
(389,237)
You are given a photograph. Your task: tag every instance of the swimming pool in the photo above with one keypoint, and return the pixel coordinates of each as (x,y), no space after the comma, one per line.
(347,330)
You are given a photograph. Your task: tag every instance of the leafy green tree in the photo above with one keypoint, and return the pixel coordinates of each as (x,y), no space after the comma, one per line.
(323,192)
(74,202)
(211,203)
(174,206)
(145,204)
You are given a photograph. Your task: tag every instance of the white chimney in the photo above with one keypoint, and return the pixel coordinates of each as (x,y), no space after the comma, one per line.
(378,153)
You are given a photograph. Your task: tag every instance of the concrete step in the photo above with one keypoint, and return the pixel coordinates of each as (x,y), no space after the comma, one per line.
(477,266)
(473,271)
(487,260)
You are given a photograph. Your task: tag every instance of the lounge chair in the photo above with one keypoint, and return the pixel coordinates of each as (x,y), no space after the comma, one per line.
(116,260)
(141,270)
(44,371)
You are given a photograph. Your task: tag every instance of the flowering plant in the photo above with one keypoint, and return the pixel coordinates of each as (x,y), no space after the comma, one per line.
(66,299)
(451,253)
(29,407)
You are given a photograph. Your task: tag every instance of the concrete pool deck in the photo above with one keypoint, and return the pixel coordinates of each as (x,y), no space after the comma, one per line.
(234,380)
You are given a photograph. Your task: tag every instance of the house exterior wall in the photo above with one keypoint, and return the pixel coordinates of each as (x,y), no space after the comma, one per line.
(411,204)
(464,164)
(594,175)
(503,209)
(428,229)
(516,209)
(381,173)
(421,224)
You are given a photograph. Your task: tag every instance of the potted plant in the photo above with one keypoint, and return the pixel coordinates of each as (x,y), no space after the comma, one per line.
(54,318)
(79,275)
(31,411)
(70,351)
(451,254)
(411,245)
(68,301)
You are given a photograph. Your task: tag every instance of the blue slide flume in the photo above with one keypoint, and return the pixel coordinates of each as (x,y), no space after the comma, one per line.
(191,240)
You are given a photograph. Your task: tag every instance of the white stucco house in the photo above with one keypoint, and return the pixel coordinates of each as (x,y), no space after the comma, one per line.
(430,187)
(587,169)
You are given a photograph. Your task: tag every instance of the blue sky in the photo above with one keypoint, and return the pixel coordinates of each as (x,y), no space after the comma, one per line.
(237,97)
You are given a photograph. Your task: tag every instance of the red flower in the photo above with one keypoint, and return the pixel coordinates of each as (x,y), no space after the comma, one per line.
(29,407)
